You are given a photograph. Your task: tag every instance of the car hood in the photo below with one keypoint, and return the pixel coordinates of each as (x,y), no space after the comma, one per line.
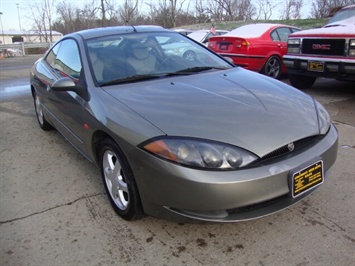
(235,106)
(334,29)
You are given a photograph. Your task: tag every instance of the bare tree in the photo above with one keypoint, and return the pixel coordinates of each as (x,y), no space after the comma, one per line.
(87,15)
(128,12)
(160,13)
(229,6)
(165,12)
(103,12)
(292,9)
(175,8)
(210,10)
(323,8)
(245,10)
(42,15)
(296,13)
(265,9)
(67,16)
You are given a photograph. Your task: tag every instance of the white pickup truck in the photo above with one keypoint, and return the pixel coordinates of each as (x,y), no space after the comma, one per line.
(323,52)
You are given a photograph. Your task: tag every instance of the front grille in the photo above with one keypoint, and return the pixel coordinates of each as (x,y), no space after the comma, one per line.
(331,47)
(257,206)
(285,149)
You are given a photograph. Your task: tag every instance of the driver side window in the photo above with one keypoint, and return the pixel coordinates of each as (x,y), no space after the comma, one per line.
(67,59)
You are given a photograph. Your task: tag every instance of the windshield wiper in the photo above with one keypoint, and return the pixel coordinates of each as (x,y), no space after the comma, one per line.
(136,78)
(131,79)
(191,70)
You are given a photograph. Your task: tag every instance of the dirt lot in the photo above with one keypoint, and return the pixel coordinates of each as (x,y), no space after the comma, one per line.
(53,209)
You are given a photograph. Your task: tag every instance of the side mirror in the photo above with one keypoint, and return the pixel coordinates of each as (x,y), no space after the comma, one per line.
(230,60)
(64,84)
(67,84)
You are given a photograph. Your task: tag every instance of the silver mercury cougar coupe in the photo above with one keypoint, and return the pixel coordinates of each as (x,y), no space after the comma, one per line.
(180,138)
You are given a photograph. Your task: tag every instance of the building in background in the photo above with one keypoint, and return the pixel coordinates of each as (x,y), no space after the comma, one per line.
(15,36)
(19,43)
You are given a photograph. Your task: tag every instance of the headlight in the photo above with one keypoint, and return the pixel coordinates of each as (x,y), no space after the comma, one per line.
(199,153)
(323,118)
(352,48)
(293,46)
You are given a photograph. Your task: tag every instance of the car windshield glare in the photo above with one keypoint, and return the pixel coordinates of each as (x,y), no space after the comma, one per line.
(121,57)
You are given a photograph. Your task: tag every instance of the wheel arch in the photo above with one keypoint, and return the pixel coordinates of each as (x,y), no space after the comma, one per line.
(32,90)
(96,140)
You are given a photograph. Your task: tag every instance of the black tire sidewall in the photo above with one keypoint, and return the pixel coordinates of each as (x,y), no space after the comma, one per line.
(267,63)
(133,210)
(45,125)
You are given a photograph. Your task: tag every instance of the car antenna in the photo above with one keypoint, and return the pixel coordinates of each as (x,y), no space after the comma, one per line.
(134,29)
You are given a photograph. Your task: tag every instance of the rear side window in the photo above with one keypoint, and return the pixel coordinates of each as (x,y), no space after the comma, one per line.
(280,34)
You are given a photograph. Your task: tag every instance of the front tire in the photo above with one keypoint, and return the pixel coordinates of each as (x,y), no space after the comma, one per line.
(39,113)
(301,82)
(272,67)
(119,181)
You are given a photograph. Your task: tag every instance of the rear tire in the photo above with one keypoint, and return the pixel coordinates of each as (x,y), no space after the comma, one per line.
(301,82)
(119,181)
(272,67)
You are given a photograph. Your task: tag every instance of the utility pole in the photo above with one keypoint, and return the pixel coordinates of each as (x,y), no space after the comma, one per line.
(18,13)
(2,29)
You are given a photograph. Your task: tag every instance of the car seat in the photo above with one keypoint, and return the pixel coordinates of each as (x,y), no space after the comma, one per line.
(140,59)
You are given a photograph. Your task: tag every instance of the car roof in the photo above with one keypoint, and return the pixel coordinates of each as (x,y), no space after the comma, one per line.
(254,30)
(107,31)
(179,30)
(205,31)
(197,35)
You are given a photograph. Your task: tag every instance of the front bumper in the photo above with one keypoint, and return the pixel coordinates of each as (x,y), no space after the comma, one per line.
(332,67)
(168,190)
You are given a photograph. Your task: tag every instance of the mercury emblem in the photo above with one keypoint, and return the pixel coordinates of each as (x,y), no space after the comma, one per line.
(291,146)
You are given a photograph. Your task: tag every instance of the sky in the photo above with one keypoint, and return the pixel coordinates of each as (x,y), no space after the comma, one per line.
(9,10)
(15,15)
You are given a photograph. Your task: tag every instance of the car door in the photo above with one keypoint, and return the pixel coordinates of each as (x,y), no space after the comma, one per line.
(67,106)
(279,37)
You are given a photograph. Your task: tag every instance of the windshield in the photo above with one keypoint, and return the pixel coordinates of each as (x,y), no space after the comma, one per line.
(141,56)
(343,14)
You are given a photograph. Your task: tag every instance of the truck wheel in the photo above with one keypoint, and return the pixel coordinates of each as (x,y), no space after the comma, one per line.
(301,82)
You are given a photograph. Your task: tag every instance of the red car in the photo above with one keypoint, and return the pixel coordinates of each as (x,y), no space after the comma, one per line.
(258,47)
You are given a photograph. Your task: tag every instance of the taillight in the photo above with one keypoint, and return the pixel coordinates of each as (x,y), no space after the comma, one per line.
(211,44)
(242,43)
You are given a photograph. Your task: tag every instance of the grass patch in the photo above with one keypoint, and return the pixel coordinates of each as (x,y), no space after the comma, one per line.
(230,25)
